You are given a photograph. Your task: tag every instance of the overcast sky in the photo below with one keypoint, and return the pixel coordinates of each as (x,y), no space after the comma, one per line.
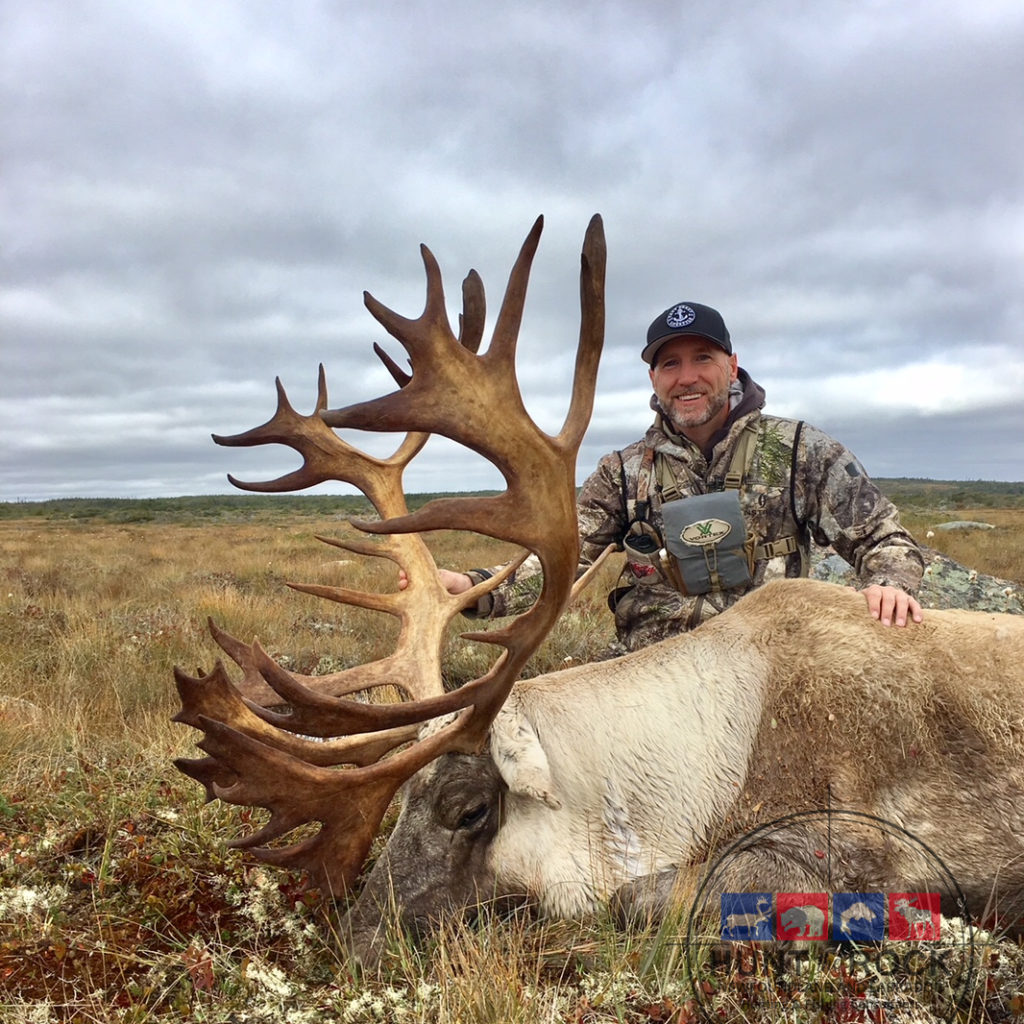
(195,196)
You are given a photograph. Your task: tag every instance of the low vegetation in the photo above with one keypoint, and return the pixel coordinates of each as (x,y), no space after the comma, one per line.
(119,897)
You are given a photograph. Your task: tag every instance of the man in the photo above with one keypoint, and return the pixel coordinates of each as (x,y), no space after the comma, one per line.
(718,498)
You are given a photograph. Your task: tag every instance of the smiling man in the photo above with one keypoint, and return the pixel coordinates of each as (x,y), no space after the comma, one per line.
(719,497)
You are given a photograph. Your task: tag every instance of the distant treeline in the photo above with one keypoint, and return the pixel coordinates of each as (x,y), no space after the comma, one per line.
(911,492)
(226,507)
(905,492)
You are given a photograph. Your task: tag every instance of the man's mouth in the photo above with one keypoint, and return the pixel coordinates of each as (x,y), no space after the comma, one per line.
(688,397)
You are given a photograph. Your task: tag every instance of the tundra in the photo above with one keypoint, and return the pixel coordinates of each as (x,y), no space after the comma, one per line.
(614,781)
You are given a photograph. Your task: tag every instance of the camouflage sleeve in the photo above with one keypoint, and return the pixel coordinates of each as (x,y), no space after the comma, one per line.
(601,519)
(841,506)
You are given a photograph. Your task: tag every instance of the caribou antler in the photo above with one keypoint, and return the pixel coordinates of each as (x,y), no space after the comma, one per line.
(260,757)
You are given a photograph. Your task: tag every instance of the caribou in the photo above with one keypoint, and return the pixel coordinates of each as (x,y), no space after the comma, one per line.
(614,782)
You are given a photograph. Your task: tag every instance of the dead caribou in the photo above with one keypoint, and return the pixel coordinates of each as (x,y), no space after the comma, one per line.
(613,780)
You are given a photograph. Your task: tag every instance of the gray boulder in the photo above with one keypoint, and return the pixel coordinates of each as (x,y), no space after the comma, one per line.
(946,584)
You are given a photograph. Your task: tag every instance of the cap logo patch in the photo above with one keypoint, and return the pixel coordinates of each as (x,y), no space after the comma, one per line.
(680,316)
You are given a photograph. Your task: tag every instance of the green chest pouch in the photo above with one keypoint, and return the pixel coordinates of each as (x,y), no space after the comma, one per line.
(706,537)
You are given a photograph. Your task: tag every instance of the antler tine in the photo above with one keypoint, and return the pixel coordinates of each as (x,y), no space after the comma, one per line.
(221,702)
(259,694)
(401,378)
(446,375)
(325,456)
(349,803)
(474,312)
(510,316)
(588,352)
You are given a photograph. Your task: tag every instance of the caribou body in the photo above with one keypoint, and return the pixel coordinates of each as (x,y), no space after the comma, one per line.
(618,780)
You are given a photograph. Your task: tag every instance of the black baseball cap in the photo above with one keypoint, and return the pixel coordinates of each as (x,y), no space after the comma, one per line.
(685,318)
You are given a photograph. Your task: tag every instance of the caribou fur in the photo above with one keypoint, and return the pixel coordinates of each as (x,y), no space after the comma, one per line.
(619,779)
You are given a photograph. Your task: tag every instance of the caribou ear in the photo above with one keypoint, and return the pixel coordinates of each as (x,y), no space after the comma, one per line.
(520,759)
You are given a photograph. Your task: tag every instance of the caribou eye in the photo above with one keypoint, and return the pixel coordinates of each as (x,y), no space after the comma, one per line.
(472,818)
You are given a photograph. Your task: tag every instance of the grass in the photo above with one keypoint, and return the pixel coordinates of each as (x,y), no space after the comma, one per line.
(999,552)
(119,897)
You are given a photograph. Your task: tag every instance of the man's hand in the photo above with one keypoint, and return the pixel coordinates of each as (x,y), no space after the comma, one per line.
(891,605)
(453,582)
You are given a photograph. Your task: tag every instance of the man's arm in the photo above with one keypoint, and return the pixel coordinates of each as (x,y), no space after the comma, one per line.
(844,508)
(453,582)
(600,520)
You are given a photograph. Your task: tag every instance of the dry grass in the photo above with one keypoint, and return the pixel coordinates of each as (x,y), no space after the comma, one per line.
(999,552)
(119,900)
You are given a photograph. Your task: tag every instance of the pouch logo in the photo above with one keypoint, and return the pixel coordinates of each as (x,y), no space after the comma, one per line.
(705,532)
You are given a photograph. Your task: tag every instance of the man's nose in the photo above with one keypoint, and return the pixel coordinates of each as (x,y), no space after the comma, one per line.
(686,373)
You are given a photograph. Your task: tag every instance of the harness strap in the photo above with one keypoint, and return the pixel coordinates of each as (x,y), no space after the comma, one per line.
(805,559)
(643,484)
(742,456)
(774,548)
(667,486)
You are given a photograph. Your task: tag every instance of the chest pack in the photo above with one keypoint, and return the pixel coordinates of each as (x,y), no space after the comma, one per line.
(706,537)
(707,546)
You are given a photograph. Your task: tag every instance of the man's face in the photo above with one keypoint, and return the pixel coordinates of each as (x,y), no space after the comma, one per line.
(691,377)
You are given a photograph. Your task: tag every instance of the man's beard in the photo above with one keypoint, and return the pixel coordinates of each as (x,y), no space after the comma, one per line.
(681,420)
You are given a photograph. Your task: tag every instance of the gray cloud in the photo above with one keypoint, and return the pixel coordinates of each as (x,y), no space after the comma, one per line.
(195,198)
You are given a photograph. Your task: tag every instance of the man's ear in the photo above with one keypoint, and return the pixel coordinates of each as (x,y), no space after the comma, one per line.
(734,365)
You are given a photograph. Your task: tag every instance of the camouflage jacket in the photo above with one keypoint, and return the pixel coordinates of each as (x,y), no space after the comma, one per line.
(800,483)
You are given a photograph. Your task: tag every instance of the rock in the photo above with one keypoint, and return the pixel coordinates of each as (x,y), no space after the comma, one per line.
(946,583)
(964,524)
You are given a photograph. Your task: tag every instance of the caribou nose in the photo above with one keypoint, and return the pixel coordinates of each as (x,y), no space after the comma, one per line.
(364,944)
